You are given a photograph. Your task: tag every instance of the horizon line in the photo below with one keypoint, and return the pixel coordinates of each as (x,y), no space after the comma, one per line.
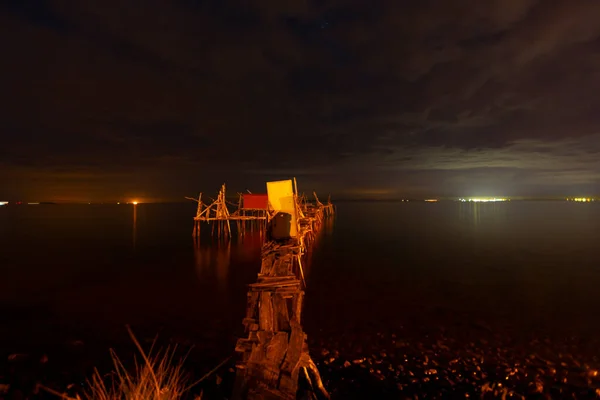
(340,199)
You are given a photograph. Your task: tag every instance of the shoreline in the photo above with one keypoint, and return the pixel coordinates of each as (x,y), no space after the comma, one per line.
(392,364)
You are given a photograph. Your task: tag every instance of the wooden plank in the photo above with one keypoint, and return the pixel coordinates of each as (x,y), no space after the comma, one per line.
(257,355)
(259,286)
(297,305)
(277,349)
(277,279)
(287,384)
(264,337)
(294,348)
(265,312)
(282,319)
(252,307)
(288,291)
(243,345)
(283,277)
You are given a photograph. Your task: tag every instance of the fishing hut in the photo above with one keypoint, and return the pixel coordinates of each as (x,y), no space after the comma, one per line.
(274,359)
(251,212)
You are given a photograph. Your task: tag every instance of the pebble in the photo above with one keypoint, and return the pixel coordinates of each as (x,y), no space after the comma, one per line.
(4,388)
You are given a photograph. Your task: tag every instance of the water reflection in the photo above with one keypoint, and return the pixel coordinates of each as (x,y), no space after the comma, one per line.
(222,261)
(214,259)
(476,213)
(134,225)
(248,246)
(322,234)
(327,228)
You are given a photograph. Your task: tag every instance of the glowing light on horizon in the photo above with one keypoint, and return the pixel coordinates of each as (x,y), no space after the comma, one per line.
(581,199)
(135,203)
(483,199)
(431,200)
(3,203)
(33,203)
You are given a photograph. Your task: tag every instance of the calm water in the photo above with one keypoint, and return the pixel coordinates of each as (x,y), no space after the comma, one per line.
(523,269)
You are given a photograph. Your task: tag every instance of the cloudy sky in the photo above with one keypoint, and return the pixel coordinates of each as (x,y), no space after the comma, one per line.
(160,99)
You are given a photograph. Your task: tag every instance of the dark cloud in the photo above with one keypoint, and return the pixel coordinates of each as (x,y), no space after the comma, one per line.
(171,97)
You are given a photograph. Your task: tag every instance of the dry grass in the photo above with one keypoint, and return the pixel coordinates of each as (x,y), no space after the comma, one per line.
(158,377)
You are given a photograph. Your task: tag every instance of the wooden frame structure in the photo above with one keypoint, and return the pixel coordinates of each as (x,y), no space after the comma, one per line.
(218,215)
(274,356)
(249,218)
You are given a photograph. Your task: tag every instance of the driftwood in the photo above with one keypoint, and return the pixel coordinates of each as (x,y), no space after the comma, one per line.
(274,357)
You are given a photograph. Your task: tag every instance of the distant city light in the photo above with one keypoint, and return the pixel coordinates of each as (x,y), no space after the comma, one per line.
(431,200)
(135,203)
(581,199)
(3,203)
(33,203)
(484,199)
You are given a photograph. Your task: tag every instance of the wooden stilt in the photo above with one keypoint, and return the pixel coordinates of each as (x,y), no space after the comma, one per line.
(217,214)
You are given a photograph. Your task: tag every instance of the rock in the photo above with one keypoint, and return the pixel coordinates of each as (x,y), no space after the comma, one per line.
(17,357)
(4,388)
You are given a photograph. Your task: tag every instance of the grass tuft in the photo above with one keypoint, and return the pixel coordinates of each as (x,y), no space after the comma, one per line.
(157,377)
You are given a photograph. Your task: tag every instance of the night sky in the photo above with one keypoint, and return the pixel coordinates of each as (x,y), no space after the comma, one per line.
(156,100)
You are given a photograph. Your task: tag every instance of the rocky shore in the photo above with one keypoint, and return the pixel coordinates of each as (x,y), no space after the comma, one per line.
(360,365)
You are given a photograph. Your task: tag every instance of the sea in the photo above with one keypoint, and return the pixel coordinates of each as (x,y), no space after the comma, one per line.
(403,299)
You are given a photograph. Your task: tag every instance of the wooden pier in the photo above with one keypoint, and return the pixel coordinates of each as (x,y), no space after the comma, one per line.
(274,359)
(218,215)
(250,214)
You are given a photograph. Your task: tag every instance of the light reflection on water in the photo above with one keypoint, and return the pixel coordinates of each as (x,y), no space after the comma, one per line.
(514,260)
(134,224)
(475,213)
(213,261)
